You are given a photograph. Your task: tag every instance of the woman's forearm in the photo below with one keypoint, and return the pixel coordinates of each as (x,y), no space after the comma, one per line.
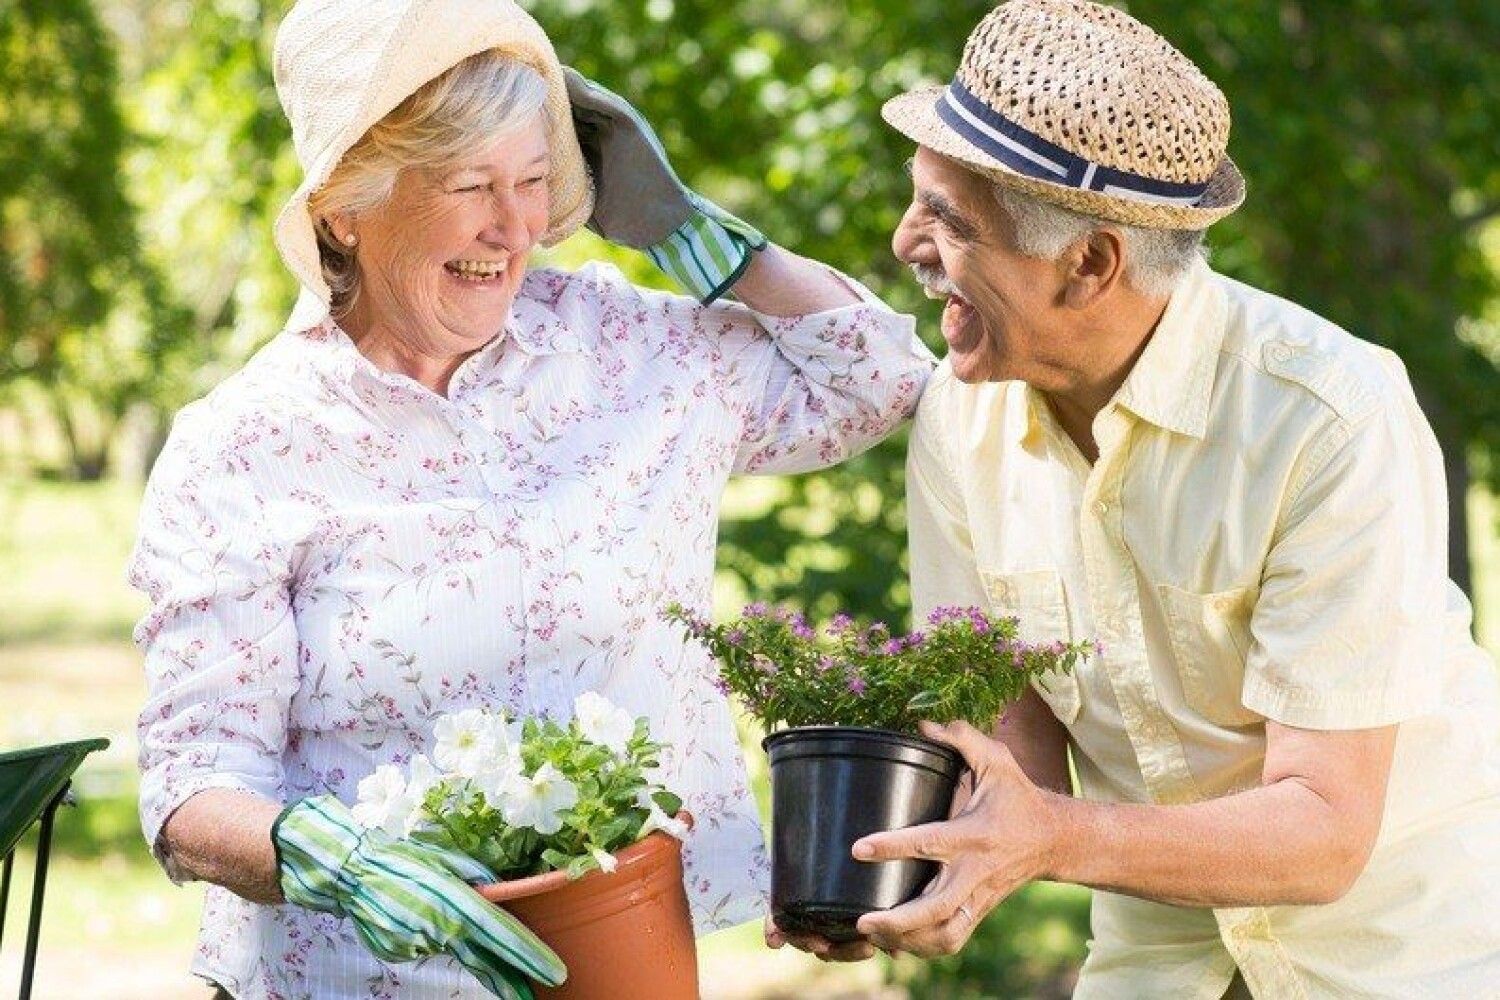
(781,283)
(224,837)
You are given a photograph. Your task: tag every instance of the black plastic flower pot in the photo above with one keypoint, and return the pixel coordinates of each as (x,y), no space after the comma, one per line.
(830,786)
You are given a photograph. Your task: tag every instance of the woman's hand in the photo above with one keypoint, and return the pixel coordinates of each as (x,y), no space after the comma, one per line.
(406,899)
(640,202)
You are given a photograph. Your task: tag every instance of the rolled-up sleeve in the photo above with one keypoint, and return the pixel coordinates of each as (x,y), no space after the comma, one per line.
(218,638)
(1352,601)
(808,391)
(834,383)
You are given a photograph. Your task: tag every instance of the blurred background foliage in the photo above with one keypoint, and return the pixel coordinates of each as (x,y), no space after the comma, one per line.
(143,156)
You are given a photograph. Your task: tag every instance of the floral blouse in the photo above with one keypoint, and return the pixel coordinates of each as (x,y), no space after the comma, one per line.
(335,555)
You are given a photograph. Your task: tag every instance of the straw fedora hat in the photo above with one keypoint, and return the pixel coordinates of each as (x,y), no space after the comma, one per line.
(342,65)
(1082,106)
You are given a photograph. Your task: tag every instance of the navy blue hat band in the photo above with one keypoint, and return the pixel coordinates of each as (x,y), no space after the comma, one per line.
(1028,153)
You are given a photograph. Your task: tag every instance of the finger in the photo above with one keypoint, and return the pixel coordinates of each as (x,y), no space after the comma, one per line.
(978,750)
(927,911)
(774,937)
(928,841)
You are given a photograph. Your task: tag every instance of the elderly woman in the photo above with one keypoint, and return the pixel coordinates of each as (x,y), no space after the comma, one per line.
(452,482)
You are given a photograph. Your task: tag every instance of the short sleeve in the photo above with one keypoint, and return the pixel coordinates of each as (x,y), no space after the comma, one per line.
(1351,609)
(218,637)
(943,568)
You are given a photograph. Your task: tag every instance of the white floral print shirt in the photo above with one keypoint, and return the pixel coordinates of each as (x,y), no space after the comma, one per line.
(335,555)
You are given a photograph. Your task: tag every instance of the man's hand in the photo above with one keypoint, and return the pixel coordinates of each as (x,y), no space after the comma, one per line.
(1001,838)
(813,944)
(406,900)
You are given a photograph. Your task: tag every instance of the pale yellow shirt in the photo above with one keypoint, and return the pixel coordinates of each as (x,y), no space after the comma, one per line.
(1263,536)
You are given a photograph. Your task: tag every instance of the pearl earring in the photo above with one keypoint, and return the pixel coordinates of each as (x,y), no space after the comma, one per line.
(350,239)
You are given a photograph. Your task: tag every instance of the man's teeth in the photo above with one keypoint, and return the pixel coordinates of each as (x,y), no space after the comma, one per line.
(479,269)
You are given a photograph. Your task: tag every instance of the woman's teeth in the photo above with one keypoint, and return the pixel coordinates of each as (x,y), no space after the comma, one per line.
(476,270)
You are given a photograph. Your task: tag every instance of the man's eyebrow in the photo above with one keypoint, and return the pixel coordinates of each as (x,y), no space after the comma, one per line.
(948,215)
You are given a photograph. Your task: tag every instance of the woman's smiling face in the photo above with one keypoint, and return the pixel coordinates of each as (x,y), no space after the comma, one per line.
(441,261)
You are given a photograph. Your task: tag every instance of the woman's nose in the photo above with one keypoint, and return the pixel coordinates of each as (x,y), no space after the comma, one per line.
(508,224)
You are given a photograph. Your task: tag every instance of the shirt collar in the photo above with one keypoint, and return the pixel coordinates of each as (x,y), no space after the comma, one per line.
(1172,381)
(531,325)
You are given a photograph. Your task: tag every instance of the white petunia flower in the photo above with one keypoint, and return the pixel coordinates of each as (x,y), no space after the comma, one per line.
(384,802)
(607,861)
(539,801)
(422,776)
(467,741)
(659,820)
(602,722)
(500,781)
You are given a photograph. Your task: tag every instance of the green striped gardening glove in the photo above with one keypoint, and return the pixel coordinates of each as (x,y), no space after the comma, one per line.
(406,899)
(640,202)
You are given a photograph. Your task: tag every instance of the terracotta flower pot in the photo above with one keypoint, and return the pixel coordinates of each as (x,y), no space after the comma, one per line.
(624,935)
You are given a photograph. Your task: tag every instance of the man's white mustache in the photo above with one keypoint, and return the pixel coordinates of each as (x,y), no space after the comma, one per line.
(933,280)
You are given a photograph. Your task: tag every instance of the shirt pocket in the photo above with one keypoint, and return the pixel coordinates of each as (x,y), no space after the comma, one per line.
(1035,599)
(1210,636)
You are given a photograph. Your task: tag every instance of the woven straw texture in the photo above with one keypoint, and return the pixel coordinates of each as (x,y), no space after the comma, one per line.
(342,66)
(1101,85)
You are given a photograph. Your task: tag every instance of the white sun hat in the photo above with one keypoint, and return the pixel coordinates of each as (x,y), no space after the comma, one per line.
(1085,107)
(343,65)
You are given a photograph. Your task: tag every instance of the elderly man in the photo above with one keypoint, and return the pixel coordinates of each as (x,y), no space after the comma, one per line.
(1288,780)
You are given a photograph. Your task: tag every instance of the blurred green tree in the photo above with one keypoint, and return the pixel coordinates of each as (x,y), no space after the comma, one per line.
(70,260)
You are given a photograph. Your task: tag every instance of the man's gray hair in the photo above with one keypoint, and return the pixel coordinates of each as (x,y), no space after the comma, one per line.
(1155,259)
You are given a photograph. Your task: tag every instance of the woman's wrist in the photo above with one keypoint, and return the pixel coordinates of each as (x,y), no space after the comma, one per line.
(223,836)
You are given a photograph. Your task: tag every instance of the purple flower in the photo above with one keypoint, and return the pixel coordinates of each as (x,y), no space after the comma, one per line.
(839,624)
(825,663)
(735,637)
(893,647)
(722,686)
(764,664)
(801,629)
(857,685)
(755,610)
(915,639)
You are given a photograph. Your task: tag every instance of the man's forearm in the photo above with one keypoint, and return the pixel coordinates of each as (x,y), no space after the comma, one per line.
(1279,844)
(224,837)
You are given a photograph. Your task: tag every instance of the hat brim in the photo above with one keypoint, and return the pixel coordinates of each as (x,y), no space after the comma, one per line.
(914,115)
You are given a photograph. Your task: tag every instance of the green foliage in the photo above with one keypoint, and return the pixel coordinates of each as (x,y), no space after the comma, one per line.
(965,665)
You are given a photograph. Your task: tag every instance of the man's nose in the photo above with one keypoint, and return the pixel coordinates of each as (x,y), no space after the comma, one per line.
(907,243)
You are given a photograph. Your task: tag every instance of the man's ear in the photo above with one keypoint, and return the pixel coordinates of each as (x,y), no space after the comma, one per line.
(1096,266)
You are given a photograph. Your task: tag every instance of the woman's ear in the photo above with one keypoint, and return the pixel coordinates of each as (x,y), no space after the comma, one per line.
(1096,264)
(340,226)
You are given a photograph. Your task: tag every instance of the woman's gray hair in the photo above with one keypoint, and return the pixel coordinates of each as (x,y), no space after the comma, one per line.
(447,119)
(1155,259)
